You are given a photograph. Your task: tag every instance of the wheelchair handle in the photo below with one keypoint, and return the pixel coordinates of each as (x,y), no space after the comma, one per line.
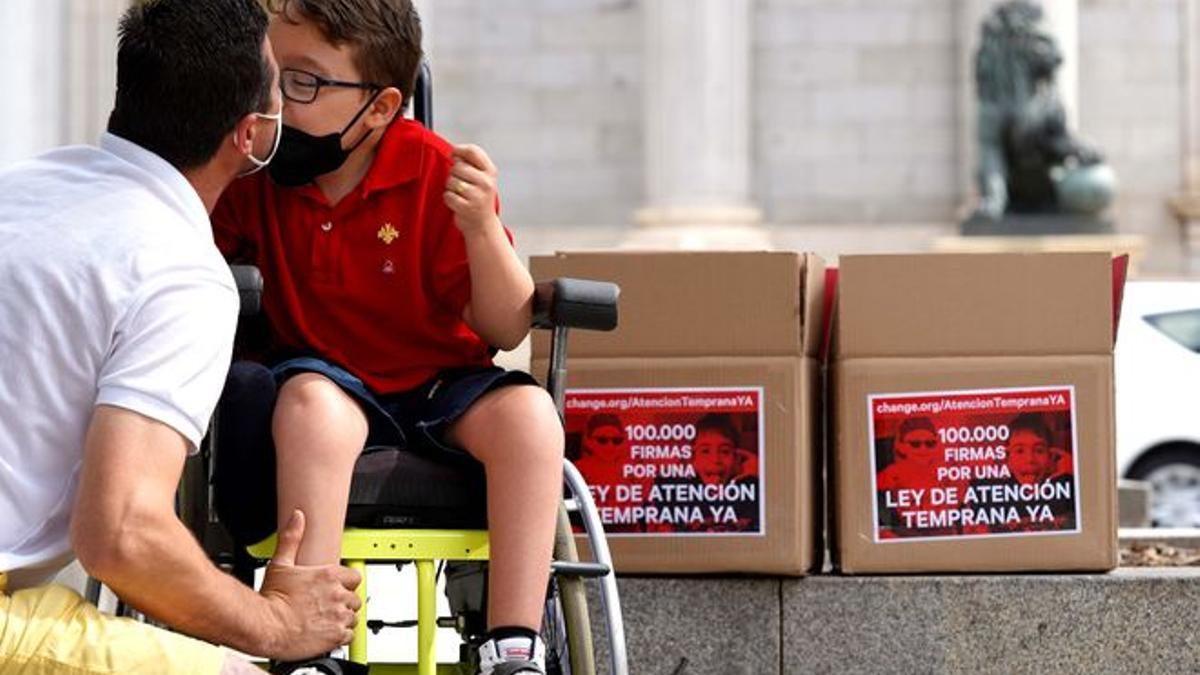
(576,303)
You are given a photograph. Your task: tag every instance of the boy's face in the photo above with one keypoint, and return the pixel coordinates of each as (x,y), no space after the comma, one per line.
(919,447)
(606,444)
(299,45)
(1030,460)
(714,457)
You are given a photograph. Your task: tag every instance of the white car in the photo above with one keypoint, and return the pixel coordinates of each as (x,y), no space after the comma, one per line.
(1158,396)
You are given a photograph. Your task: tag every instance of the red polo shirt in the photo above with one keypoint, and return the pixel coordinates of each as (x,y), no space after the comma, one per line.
(376,283)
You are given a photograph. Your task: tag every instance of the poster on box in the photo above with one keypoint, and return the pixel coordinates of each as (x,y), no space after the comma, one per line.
(675,462)
(982,463)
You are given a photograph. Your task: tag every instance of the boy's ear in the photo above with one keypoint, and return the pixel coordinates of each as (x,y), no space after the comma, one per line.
(387,106)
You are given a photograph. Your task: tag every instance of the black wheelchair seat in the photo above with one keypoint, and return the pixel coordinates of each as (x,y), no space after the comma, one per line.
(400,489)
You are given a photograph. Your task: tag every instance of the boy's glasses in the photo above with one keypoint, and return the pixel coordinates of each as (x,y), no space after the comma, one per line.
(609,440)
(928,444)
(302,86)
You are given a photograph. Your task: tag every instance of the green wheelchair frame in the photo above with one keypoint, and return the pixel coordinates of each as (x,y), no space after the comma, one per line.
(559,305)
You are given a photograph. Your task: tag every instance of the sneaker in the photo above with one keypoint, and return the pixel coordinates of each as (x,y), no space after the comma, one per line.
(513,656)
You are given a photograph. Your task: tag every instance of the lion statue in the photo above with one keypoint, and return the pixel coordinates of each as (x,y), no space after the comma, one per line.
(1028,160)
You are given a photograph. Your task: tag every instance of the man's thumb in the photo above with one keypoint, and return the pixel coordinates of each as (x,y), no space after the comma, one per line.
(289,540)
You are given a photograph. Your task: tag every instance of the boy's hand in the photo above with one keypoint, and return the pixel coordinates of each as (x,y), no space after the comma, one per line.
(471,190)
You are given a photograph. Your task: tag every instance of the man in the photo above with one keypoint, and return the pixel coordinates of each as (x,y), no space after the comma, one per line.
(116,321)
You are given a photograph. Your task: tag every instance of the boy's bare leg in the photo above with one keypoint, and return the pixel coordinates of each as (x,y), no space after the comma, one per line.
(515,433)
(319,433)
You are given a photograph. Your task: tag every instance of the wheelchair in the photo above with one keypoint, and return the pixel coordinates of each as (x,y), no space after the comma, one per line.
(406,508)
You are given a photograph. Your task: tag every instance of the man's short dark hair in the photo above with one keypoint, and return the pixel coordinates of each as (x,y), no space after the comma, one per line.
(187,72)
(384,35)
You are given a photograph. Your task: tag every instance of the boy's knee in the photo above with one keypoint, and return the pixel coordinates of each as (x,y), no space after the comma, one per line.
(526,407)
(310,392)
(311,398)
(526,413)
(529,411)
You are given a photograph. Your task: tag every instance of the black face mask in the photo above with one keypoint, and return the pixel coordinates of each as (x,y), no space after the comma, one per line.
(302,157)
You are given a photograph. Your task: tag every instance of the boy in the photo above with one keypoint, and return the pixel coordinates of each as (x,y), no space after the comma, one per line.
(388,280)
(1030,452)
(717,459)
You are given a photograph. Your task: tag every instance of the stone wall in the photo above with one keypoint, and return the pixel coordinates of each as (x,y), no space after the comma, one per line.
(552,89)
(1131,89)
(858,122)
(855,111)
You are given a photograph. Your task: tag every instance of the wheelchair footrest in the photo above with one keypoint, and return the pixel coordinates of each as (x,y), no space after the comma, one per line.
(587,570)
(376,625)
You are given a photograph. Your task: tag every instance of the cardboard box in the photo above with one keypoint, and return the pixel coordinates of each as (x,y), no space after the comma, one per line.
(972,398)
(706,341)
(682,304)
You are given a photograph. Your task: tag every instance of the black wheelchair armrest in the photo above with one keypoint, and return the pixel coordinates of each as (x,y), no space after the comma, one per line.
(576,303)
(250,287)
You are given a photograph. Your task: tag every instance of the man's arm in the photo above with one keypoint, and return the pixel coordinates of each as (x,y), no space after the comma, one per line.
(501,305)
(126,534)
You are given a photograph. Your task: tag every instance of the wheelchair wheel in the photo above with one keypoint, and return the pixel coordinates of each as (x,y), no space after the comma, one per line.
(555,634)
(566,604)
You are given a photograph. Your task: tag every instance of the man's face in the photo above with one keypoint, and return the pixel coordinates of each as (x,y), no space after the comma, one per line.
(299,45)
(919,447)
(1030,460)
(714,457)
(264,140)
(606,444)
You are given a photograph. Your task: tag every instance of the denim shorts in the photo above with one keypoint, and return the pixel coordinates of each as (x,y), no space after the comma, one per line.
(416,419)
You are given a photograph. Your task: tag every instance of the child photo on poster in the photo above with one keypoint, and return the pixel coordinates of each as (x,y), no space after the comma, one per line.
(670,461)
(974,464)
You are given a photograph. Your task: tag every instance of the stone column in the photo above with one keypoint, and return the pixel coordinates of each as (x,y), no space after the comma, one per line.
(969,16)
(30,42)
(1191,93)
(1062,22)
(1186,205)
(697,128)
(89,55)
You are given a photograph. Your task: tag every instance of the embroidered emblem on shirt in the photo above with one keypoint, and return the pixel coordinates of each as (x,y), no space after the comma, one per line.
(387,233)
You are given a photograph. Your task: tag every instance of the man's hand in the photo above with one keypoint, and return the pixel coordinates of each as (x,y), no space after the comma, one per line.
(315,606)
(471,190)
(126,534)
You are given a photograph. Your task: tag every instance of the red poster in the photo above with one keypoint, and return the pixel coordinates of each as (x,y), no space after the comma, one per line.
(671,461)
(985,463)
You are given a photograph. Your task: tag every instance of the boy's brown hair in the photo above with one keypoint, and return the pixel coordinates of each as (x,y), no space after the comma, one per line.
(384,34)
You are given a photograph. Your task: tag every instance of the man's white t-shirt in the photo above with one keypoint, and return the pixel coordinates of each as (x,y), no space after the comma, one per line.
(111,292)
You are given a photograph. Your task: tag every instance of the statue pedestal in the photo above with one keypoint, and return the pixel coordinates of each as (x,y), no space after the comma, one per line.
(1035,225)
(1133,245)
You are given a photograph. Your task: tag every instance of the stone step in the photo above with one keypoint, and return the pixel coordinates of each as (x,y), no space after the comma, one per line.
(1132,620)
